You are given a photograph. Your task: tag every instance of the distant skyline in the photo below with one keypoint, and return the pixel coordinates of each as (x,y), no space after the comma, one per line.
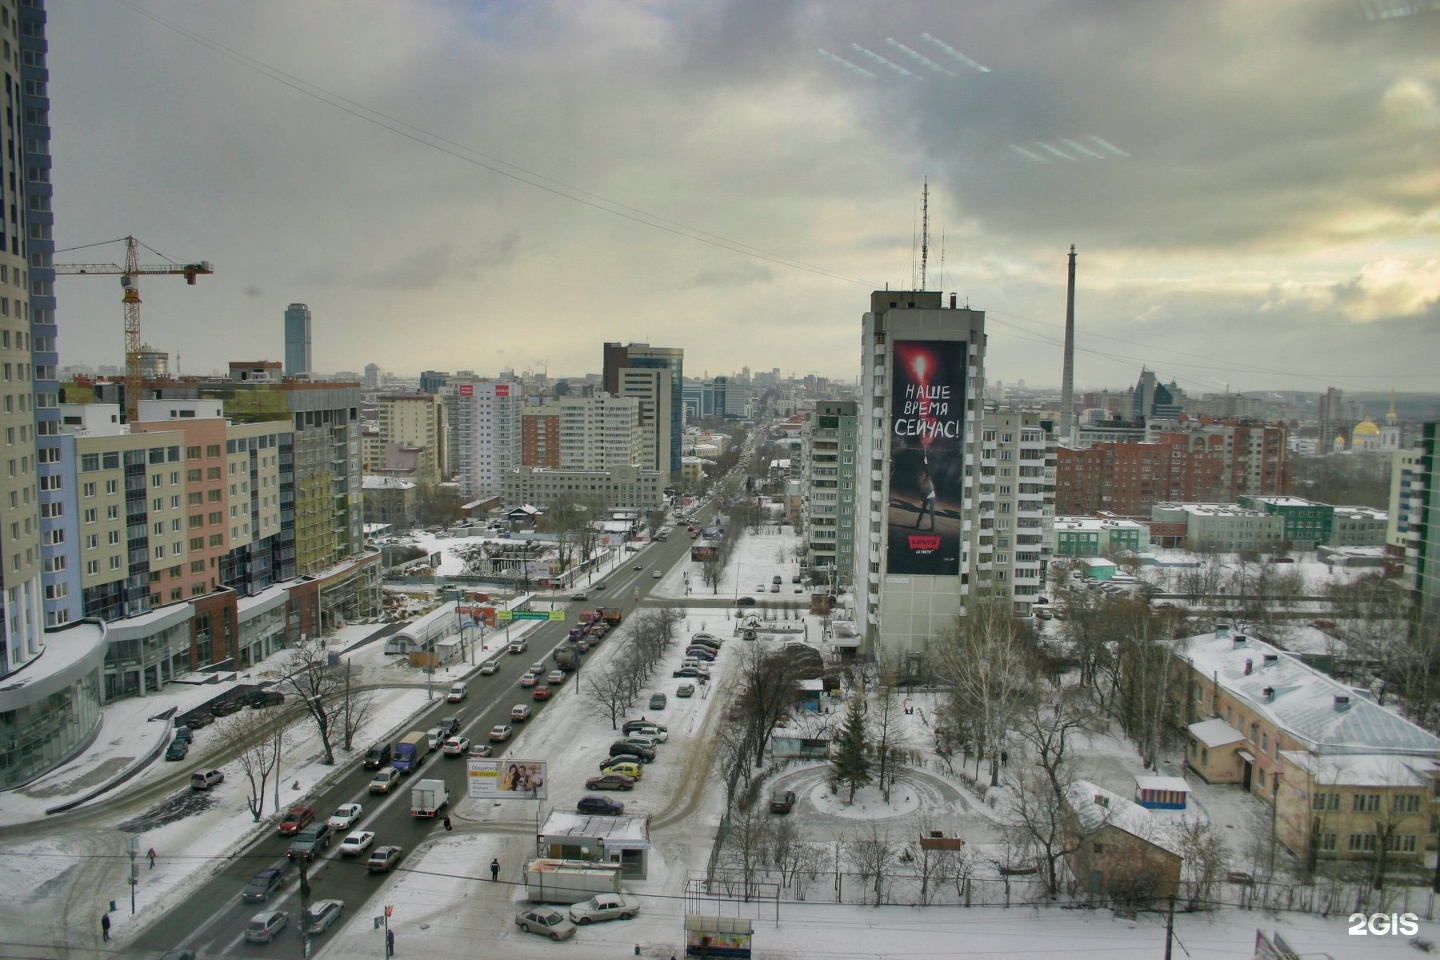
(1249,184)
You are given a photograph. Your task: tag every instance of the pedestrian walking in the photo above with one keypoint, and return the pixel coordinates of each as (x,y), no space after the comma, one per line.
(495,869)
(447,821)
(389,943)
(105,926)
(150,854)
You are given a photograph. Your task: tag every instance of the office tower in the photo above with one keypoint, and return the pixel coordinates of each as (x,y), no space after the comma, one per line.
(297,339)
(922,373)
(372,376)
(665,414)
(827,494)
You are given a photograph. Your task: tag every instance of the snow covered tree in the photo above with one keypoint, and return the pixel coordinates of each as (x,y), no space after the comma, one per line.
(852,762)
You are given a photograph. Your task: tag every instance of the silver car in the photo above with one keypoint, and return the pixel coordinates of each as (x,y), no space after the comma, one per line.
(604,906)
(323,913)
(546,922)
(263,926)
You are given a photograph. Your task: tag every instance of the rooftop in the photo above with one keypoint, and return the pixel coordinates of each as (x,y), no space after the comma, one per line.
(1328,716)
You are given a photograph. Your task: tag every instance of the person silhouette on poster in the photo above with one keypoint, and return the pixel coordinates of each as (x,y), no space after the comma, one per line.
(927,502)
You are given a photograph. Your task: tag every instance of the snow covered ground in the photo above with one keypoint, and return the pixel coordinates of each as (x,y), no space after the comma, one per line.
(446,907)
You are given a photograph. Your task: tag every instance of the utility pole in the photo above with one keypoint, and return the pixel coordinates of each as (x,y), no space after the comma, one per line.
(134,849)
(304,908)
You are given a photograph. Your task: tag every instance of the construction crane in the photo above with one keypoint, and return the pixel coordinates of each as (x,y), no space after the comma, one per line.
(129,274)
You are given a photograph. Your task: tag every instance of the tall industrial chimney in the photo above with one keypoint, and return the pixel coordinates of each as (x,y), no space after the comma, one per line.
(1067,385)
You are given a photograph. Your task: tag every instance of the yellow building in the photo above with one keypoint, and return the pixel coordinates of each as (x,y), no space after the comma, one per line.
(1346,776)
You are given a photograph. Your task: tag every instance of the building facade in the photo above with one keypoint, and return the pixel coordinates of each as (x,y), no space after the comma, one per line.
(297,340)
(923,368)
(415,421)
(656,377)
(1223,526)
(828,481)
(484,421)
(634,488)
(1010,543)
(1098,537)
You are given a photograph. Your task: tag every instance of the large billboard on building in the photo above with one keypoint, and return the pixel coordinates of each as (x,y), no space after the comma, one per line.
(498,779)
(927,457)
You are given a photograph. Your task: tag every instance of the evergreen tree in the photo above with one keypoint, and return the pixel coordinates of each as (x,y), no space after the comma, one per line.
(851,763)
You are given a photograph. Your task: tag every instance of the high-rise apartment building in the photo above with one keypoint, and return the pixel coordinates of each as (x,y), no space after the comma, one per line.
(923,369)
(650,388)
(1419,504)
(483,418)
(1330,415)
(662,398)
(1010,543)
(372,376)
(297,339)
(828,490)
(28,418)
(415,421)
(601,432)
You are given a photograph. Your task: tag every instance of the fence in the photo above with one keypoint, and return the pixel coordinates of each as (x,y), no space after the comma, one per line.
(919,884)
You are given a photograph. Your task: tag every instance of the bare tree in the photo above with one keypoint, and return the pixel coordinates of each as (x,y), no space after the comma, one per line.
(887,737)
(321,689)
(989,673)
(612,691)
(1205,861)
(771,680)
(1041,824)
(354,707)
(1049,724)
(869,851)
(746,847)
(263,736)
(1149,671)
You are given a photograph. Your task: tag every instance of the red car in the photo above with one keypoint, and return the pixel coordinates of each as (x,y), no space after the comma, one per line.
(610,781)
(295,821)
(541,692)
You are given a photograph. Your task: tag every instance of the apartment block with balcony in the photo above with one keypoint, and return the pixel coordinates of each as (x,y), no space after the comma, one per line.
(415,421)
(829,458)
(484,423)
(634,488)
(1010,545)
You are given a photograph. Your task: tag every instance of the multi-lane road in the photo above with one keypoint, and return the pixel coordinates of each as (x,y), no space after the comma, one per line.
(212,919)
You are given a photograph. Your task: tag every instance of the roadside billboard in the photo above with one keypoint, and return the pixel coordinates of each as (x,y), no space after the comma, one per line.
(927,457)
(491,779)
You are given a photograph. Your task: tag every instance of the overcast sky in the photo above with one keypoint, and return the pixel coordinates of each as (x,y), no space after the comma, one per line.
(1252,186)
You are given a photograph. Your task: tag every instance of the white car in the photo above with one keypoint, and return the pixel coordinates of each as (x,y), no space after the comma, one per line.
(457,746)
(357,843)
(604,906)
(346,817)
(322,913)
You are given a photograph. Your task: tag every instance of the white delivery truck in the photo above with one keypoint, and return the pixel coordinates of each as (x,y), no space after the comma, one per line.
(427,798)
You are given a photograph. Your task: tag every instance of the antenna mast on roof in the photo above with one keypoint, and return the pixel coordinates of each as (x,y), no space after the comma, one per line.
(924,230)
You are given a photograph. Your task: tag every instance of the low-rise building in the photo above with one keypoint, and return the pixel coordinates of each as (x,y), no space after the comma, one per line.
(1117,847)
(1098,537)
(630,486)
(1222,526)
(1347,778)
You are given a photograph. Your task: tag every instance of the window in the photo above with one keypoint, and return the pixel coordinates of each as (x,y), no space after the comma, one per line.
(92,567)
(1365,803)
(1405,803)
(114,538)
(192,476)
(91,515)
(112,486)
(1361,843)
(86,489)
(1325,801)
(1327,842)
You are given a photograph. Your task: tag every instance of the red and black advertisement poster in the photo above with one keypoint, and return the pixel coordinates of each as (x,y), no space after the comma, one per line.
(927,457)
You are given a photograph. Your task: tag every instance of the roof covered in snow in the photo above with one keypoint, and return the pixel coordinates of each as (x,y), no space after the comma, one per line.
(1326,715)
(1095,807)
(1215,733)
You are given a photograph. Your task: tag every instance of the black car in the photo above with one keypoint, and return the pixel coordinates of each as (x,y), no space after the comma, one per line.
(782,801)
(619,747)
(450,726)
(594,803)
(630,726)
(377,756)
(261,699)
(619,758)
(745,602)
(177,749)
(263,884)
(195,720)
(226,707)
(310,842)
